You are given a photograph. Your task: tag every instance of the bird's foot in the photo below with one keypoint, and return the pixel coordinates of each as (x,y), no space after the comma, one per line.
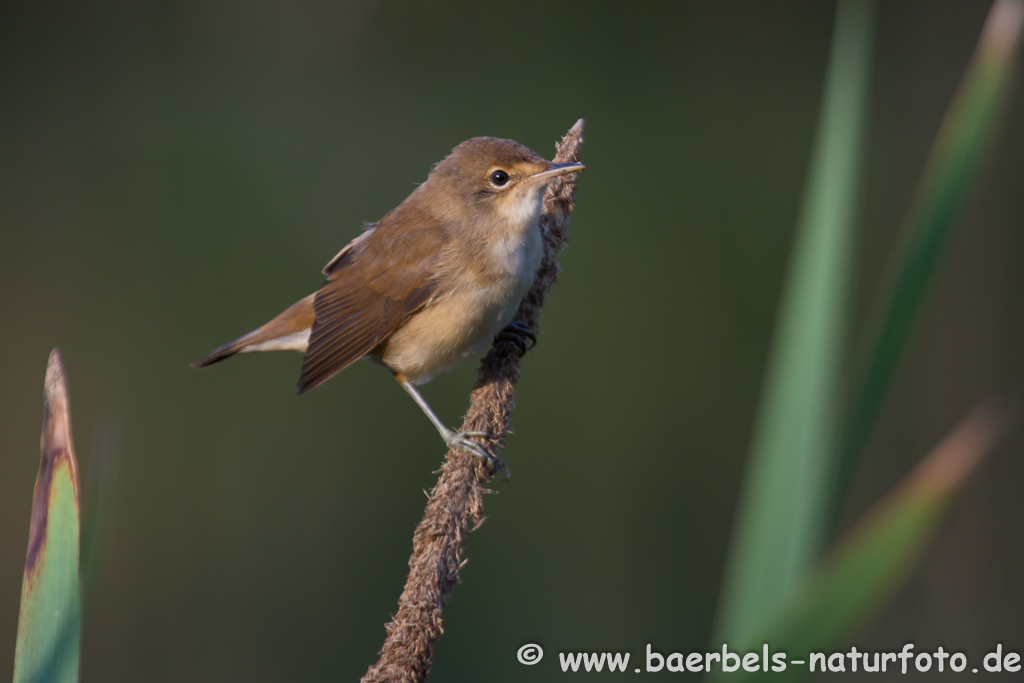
(518,333)
(461,440)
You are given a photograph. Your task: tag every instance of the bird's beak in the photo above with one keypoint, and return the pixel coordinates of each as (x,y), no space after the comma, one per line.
(558,169)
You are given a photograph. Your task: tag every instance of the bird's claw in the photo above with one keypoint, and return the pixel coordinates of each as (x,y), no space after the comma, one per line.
(461,441)
(518,333)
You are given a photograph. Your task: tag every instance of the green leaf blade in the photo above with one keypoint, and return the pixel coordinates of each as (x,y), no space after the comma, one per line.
(49,623)
(965,138)
(778,531)
(869,564)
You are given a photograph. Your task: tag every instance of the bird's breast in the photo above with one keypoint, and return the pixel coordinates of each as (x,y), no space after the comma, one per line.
(515,260)
(480,299)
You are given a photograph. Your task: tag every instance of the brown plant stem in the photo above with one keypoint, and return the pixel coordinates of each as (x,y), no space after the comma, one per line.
(455,506)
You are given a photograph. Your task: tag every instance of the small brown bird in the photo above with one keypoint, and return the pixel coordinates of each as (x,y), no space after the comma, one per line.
(431,283)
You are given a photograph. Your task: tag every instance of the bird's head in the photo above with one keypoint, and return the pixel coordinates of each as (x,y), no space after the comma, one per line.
(491,177)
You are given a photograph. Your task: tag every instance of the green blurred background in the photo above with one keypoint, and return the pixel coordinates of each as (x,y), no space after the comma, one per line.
(172,175)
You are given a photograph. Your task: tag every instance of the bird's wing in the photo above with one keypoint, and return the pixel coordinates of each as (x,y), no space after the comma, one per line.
(373,286)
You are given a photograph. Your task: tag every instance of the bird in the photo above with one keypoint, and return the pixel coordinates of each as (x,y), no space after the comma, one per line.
(431,283)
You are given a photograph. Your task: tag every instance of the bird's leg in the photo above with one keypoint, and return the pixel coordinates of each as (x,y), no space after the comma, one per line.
(452,438)
(517,332)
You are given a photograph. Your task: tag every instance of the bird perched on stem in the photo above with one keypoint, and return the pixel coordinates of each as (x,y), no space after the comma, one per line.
(431,283)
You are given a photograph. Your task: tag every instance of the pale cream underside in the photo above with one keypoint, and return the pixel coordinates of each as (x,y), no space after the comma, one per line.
(460,323)
(297,341)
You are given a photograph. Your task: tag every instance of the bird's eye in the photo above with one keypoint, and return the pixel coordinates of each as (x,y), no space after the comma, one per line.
(499,178)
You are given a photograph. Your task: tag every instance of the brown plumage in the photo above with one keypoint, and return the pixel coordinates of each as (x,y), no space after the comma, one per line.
(430,283)
(371,290)
(292,322)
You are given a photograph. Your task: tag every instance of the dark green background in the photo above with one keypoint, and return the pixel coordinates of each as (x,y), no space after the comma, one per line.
(172,175)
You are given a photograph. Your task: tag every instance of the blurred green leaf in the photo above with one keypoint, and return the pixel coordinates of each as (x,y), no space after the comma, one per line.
(966,136)
(49,624)
(868,565)
(778,531)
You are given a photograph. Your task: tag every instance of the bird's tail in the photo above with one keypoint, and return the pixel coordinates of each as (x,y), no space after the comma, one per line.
(289,331)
